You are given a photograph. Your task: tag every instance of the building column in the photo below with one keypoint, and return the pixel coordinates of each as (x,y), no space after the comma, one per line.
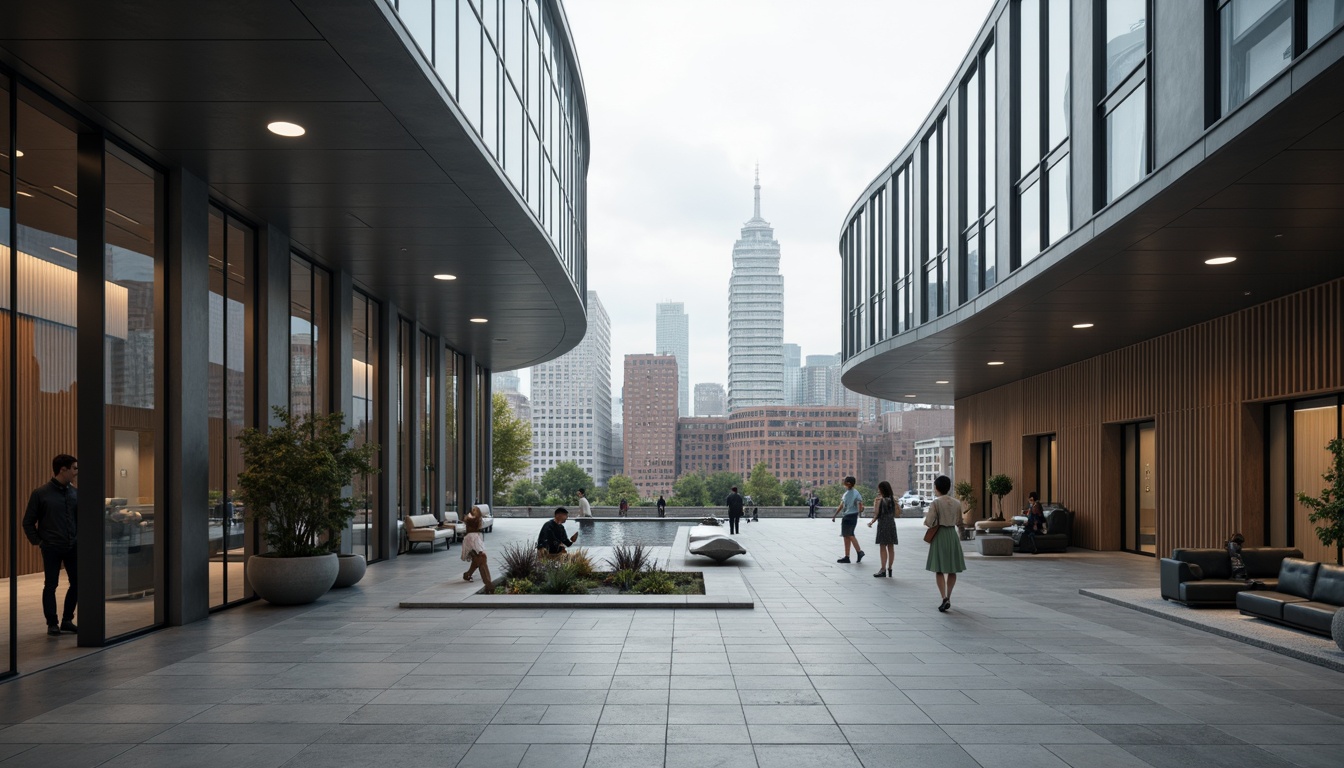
(187,469)
(90,371)
(487,442)
(438,363)
(467,433)
(388,384)
(272,322)
(342,353)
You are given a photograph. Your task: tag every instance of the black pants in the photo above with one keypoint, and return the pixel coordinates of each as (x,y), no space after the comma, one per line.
(733,520)
(52,560)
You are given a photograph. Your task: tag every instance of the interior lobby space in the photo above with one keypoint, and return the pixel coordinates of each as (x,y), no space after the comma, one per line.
(832,667)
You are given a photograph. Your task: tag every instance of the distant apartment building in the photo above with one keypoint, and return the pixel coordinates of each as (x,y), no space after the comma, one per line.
(756,316)
(818,380)
(815,445)
(702,444)
(618,436)
(793,374)
(650,422)
(673,337)
(571,403)
(933,457)
(710,400)
(887,445)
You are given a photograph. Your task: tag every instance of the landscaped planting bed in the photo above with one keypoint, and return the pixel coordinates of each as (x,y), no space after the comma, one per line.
(630,571)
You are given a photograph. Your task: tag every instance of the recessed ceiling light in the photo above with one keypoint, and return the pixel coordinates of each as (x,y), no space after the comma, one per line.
(995,362)
(62,250)
(1220,260)
(1082,325)
(479,320)
(1276,237)
(942,381)
(25,194)
(18,153)
(445,276)
(282,128)
(912,395)
(500,340)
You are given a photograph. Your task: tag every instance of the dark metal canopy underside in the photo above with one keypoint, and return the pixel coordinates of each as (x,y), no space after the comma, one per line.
(387,184)
(1269,193)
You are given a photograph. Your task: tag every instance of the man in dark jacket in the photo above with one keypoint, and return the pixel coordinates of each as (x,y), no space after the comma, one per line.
(735,504)
(49,522)
(553,539)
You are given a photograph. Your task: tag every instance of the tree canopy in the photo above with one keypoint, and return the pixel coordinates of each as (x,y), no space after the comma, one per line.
(510,448)
(561,484)
(621,487)
(793,493)
(719,484)
(526,493)
(763,486)
(690,490)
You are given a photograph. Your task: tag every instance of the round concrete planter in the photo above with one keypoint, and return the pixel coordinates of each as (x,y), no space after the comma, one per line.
(292,580)
(351,570)
(1337,628)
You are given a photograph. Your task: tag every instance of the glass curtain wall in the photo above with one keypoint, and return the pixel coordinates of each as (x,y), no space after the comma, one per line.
(901,289)
(1125,106)
(230,399)
(452,459)
(405,405)
(979,147)
(427,375)
(309,338)
(1298,434)
(9,439)
(936,221)
(365,532)
(482,436)
(1260,38)
(506,67)
(1043,125)
(133,392)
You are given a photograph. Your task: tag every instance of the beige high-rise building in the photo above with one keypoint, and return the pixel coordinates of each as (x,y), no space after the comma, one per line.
(650,422)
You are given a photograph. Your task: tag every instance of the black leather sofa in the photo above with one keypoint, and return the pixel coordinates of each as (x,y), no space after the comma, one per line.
(1306,596)
(1058,530)
(1203,577)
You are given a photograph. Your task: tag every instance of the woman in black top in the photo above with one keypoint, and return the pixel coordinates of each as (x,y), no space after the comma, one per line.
(884,514)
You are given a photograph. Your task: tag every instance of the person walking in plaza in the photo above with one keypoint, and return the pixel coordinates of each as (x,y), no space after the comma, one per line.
(852,505)
(624,508)
(585,509)
(473,549)
(49,522)
(1035,522)
(662,506)
(945,557)
(735,504)
(812,503)
(884,514)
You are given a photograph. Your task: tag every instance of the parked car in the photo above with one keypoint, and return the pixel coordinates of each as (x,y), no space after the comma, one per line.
(911,499)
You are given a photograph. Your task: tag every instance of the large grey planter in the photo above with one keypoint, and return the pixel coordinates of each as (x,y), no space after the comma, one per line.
(291,580)
(351,570)
(1337,628)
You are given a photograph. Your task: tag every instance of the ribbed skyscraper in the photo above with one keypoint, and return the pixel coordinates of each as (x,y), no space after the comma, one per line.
(673,337)
(756,316)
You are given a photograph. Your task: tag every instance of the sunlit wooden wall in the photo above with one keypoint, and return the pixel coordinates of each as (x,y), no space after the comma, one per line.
(1203,386)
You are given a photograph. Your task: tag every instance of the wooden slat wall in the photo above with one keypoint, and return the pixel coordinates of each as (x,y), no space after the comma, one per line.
(1202,386)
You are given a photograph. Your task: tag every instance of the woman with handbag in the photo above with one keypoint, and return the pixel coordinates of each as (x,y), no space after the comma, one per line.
(945,557)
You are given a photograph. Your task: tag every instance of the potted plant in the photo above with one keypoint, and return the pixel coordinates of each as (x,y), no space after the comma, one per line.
(965,493)
(999,485)
(293,483)
(1327,510)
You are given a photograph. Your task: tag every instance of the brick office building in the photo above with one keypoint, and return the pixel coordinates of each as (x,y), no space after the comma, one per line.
(815,445)
(702,444)
(650,422)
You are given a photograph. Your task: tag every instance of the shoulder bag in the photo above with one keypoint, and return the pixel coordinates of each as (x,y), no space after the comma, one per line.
(931,532)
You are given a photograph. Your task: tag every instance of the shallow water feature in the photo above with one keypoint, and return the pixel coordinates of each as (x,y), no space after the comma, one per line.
(604,533)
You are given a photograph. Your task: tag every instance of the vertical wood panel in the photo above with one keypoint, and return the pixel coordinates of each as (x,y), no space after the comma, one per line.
(1202,386)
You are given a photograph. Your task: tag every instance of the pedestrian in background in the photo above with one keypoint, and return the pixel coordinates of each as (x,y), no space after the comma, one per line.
(49,522)
(735,504)
(945,557)
(884,514)
(852,505)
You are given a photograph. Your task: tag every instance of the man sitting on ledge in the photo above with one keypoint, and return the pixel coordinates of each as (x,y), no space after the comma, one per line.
(553,538)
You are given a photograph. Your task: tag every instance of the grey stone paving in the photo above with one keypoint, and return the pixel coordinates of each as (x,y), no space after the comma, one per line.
(833,668)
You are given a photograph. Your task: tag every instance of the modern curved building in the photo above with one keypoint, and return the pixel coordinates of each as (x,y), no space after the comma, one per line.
(1115,245)
(210,209)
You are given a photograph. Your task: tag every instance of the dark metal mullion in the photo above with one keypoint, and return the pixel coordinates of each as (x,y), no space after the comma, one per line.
(90,369)
(13,468)
(1290,512)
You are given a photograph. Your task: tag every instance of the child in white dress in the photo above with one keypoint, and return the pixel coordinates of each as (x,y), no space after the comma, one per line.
(473,549)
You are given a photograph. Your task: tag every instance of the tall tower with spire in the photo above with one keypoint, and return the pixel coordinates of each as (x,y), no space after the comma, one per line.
(756,316)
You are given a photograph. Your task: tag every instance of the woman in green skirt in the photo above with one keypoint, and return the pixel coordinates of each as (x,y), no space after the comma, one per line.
(945,558)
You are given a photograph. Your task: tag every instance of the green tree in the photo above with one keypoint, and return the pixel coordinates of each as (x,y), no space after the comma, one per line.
(830,495)
(562,482)
(1000,485)
(763,486)
(621,487)
(510,448)
(526,493)
(793,493)
(1327,510)
(719,485)
(690,490)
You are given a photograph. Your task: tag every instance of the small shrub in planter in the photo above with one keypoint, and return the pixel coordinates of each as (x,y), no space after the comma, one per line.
(519,587)
(655,582)
(561,578)
(629,557)
(623,580)
(583,565)
(520,562)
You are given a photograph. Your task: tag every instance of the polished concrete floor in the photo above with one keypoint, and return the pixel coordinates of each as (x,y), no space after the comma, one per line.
(833,668)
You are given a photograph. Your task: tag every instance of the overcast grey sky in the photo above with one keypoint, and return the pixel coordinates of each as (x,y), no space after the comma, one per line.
(685,97)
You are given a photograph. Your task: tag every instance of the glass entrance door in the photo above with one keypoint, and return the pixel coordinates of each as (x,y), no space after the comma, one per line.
(1139,492)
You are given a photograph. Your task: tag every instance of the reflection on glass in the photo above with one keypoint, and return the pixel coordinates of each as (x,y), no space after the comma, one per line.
(45,296)
(930,290)
(991,267)
(1029,84)
(1059,199)
(365,531)
(1058,80)
(991,128)
(301,332)
(1257,43)
(1029,222)
(8,503)
(1315,423)
(1126,38)
(405,406)
(469,65)
(229,401)
(445,45)
(133,557)
(1126,143)
(1322,18)
(972,141)
(428,393)
(451,436)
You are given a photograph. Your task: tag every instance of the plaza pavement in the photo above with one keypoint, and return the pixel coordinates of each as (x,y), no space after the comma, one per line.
(832,668)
